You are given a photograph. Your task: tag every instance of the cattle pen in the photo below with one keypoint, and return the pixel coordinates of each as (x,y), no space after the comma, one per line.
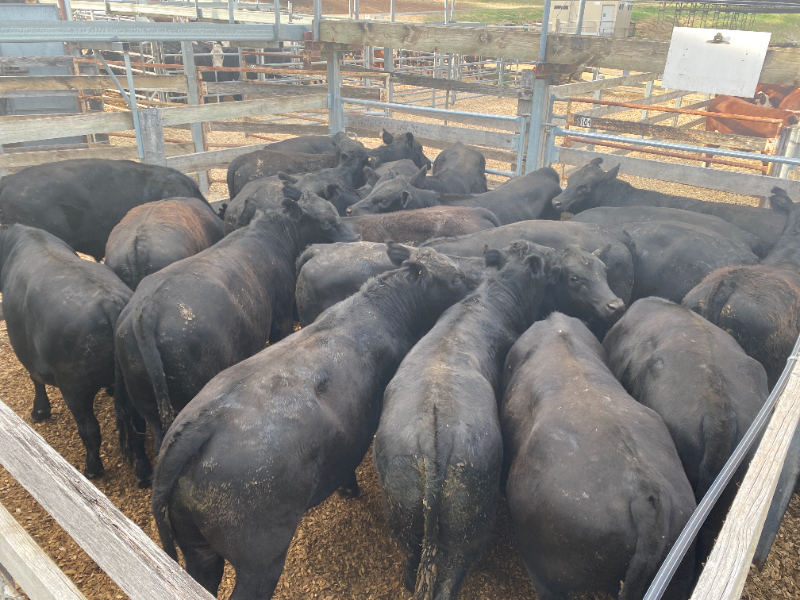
(362,98)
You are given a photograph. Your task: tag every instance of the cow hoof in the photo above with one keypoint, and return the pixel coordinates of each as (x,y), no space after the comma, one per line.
(93,472)
(145,483)
(110,390)
(349,491)
(40,415)
(409,577)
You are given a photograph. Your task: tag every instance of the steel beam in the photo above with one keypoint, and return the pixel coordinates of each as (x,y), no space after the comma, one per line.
(134,31)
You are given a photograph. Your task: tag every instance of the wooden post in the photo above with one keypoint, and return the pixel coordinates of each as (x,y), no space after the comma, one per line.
(155,151)
(27,563)
(193,96)
(140,568)
(523,104)
(388,67)
(335,105)
(727,568)
(3,172)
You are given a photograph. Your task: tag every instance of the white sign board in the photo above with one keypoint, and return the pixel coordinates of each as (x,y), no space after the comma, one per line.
(715,61)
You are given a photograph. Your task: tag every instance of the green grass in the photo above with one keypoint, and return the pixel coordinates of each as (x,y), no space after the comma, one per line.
(784,28)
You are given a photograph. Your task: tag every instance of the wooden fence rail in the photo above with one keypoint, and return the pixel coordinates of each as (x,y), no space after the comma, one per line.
(140,568)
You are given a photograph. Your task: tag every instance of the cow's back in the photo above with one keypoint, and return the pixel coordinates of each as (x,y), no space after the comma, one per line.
(81,201)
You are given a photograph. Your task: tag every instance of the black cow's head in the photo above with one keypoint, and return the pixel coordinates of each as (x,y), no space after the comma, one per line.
(522,269)
(398,147)
(318,220)
(580,286)
(581,192)
(433,271)
(391,193)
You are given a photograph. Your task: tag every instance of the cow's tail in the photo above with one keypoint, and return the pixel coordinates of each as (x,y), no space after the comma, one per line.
(144,331)
(180,445)
(652,519)
(230,179)
(720,431)
(717,297)
(491,217)
(435,466)
(306,256)
(124,413)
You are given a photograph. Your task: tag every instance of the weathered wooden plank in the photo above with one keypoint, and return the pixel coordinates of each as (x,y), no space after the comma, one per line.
(584,87)
(139,567)
(475,137)
(31,568)
(163,83)
(152,134)
(782,65)
(269,128)
(246,108)
(214,159)
(35,61)
(18,160)
(726,570)
(67,126)
(713,179)
(260,90)
(460,86)
(665,132)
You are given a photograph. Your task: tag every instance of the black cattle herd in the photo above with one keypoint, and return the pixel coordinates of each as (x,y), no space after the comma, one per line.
(481,342)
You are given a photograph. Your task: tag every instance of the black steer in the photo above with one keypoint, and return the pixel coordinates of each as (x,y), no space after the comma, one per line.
(199,316)
(60,312)
(80,201)
(612,247)
(279,432)
(157,234)
(423,224)
(699,380)
(590,187)
(329,273)
(459,169)
(608,216)
(670,258)
(519,199)
(438,450)
(595,488)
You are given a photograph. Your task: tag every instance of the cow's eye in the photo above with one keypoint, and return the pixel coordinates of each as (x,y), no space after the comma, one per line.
(327,224)
(573,279)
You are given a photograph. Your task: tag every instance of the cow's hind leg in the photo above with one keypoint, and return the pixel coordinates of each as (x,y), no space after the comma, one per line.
(41,403)
(80,402)
(203,563)
(350,489)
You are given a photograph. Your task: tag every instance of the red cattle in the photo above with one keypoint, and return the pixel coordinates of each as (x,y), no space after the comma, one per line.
(735,106)
(792,101)
(776,93)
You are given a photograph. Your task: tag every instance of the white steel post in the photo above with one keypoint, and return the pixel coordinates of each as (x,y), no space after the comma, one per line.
(335,106)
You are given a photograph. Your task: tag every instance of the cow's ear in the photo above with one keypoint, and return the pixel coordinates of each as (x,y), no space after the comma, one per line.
(535,264)
(409,138)
(612,173)
(286,177)
(415,269)
(387,137)
(291,206)
(601,252)
(418,180)
(405,197)
(597,161)
(292,191)
(344,157)
(370,175)
(780,202)
(494,258)
(397,253)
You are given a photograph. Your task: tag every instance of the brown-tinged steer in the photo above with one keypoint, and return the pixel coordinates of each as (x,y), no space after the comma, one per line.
(80,201)
(157,234)
(60,312)
(207,312)
(438,450)
(279,432)
(595,488)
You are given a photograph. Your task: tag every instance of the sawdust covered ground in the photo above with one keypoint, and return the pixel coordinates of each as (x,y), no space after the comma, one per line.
(342,548)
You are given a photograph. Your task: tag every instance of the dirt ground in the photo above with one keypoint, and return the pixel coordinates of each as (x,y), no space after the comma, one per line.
(343,548)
